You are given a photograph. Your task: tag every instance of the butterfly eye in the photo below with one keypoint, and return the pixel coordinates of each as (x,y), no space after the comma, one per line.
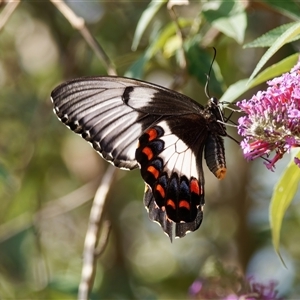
(214,101)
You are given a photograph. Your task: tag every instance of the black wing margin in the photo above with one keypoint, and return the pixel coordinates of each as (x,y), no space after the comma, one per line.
(158,215)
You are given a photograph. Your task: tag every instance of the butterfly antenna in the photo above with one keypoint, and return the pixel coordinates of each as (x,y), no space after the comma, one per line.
(206,88)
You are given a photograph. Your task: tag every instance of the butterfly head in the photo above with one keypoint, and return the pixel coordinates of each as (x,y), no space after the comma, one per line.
(215,117)
(214,101)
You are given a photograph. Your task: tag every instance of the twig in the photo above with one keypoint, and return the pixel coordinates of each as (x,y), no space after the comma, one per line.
(91,239)
(50,210)
(106,227)
(79,24)
(181,79)
(182,61)
(69,202)
(90,253)
(7,12)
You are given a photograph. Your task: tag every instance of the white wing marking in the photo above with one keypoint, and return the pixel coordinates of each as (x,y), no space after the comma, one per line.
(178,157)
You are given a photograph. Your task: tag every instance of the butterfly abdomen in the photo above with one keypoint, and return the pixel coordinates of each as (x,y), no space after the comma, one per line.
(214,154)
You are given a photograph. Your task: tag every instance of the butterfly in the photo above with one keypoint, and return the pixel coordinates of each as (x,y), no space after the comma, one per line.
(136,124)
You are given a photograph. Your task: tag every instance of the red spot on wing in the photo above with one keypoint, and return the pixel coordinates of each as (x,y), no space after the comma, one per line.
(152,134)
(184,204)
(148,152)
(194,187)
(161,190)
(153,171)
(171,203)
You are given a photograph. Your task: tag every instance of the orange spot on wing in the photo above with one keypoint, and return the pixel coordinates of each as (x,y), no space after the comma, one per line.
(148,152)
(220,173)
(153,171)
(184,204)
(161,190)
(171,203)
(152,134)
(194,186)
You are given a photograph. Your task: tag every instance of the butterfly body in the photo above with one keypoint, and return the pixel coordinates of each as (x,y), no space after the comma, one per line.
(135,124)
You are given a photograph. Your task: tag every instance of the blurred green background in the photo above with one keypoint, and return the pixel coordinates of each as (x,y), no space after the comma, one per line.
(48,175)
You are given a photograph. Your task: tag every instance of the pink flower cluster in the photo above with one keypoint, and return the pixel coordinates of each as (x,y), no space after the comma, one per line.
(272,119)
(211,288)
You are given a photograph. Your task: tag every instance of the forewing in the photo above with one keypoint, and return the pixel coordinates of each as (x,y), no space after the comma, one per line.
(112,112)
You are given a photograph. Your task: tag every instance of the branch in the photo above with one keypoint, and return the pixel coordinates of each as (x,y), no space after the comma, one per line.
(79,24)
(181,79)
(90,253)
(50,210)
(7,12)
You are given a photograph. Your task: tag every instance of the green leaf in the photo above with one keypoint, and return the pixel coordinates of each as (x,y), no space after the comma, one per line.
(288,8)
(167,33)
(136,70)
(234,91)
(144,21)
(233,27)
(283,39)
(283,194)
(172,45)
(199,62)
(222,9)
(267,39)
(229,18)
(240,87)
(277,69)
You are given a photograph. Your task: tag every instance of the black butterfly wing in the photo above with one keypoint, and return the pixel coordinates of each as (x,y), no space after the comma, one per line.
(112,112)
(170,155)
(137,124)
